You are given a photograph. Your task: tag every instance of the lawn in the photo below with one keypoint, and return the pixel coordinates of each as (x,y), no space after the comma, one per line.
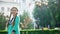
(37,31)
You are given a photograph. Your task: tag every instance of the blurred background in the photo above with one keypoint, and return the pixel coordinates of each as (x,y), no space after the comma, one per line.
(34,14)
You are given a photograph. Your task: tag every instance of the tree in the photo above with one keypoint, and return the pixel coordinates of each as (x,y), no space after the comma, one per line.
(26,21)
(2,21)
(55,11)
(46,14)
(43,14)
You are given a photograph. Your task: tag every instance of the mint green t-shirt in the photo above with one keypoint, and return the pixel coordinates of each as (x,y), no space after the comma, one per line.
(15,27)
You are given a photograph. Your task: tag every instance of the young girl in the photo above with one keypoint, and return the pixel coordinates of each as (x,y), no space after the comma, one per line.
(13,24)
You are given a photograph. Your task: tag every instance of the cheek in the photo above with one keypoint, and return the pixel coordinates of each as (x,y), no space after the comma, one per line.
(14,12)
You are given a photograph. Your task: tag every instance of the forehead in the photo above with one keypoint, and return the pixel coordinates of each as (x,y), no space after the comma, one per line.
(14,8)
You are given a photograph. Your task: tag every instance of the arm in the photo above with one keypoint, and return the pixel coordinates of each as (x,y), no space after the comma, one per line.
(17,21)
(7,21)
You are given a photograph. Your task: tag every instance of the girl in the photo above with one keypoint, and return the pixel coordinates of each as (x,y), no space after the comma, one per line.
(13,24)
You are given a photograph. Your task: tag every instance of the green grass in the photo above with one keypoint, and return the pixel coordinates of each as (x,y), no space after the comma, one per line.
(33,30)
(37,31)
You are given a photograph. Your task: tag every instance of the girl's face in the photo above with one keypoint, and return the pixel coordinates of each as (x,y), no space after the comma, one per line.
(14,11)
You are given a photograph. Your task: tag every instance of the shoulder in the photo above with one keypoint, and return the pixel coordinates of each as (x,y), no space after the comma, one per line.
(18,17)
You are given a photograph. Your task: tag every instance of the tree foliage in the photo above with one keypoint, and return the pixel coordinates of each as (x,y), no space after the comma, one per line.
(48,14)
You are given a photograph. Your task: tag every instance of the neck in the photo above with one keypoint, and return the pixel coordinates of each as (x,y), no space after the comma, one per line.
(14,16)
